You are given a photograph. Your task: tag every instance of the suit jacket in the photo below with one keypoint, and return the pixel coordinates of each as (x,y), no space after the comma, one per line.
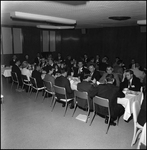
(110,92)
(135,85)
(95,75)
(64,82)
(117,80)
(81,74)
(16,69)
(85,86)
(37,75)
(36,60)
(50,78)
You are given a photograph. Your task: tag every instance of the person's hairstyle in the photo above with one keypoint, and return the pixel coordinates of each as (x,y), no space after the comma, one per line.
(63,70)
(137,65)
(109,66)
(130,71)
(24,64)
(91,64)
(110,77)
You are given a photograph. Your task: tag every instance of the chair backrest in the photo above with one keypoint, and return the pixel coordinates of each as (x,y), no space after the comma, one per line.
(101,102)
(14,76)
(60,90)
(135,110)
(33,82)
(82,95)
(48,85)
(24,77)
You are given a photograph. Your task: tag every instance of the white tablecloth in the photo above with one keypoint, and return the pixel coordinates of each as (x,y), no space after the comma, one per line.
(6,72)
(127,102)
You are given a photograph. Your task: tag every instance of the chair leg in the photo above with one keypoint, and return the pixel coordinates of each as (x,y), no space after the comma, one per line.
(31,90)
(92,118)
(44,96)
(65,108)
(74,110)
(12,84)
(88,112)
(52,100)
(108,125)
(36,94)
(54,104)
(118,120)
(135,136)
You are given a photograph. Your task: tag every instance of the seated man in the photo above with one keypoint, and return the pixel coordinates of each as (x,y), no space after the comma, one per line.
(130,81)
(62,81)
(80,71)
(37,75)
(16,69)
(137,72)
(110,92)
(13,61)
(109,70)
(95,75)
(50,77)
(85,86)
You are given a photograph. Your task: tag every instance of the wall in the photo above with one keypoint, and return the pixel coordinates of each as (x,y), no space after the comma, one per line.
(125,42)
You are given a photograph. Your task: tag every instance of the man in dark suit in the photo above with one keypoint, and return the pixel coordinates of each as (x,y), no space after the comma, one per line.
(110,92)
(81,70)
(62,81)
(130,81)
(95,75)
(37,59)
(13,61)
(16,69)
(37,75)
(85,86)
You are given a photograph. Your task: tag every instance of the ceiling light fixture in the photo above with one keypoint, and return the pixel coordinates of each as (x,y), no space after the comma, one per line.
(44,18)
(120,18)
(141,22)
(55,27)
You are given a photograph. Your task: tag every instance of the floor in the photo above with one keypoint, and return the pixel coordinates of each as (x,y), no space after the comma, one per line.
(27,123)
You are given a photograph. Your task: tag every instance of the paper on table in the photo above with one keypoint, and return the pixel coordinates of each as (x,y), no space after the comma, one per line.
(81,117)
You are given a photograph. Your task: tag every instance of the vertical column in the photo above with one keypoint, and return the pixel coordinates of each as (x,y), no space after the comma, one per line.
(52,41)
(45,41)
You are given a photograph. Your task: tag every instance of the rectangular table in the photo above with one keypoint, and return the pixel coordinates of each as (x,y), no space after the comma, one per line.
(127,102)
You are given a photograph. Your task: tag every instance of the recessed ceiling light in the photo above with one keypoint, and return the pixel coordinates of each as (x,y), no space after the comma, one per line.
(120,18)
(141,22)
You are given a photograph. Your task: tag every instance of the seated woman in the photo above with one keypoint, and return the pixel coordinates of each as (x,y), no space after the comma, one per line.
(25,70)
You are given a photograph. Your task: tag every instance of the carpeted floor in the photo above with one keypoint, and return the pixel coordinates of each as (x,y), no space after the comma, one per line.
(30,124)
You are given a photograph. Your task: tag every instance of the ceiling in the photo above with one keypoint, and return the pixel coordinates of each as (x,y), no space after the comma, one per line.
(88,14)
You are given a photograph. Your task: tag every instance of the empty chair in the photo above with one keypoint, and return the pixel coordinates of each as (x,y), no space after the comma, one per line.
(81,96)
(49,89)
(137,127)
(14,79)
(102,102)
(61,91)
(35,87)
(26,82)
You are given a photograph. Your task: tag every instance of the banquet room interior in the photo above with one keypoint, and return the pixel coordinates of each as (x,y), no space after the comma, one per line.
(112,29)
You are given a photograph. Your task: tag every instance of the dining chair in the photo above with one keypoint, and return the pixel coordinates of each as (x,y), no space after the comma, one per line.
(35,87)
(61,91)
(81,96)
(102,102)
(142,140)
(26,82)
(14,79)
(49,89)
(137,127)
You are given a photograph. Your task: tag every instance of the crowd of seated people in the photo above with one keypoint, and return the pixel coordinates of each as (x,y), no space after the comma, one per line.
(87,69)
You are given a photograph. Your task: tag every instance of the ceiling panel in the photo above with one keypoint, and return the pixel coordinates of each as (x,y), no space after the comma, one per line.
(91,14)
